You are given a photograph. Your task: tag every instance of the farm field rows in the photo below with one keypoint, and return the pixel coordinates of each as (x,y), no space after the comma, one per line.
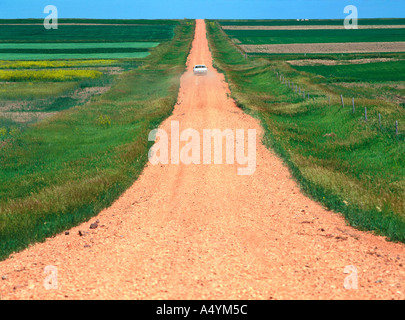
(73,132)
(316,36)
(64,56)
(309,27)
(257,37)
(188,230)
(311,22)
(68,54)
(304,49)
(78,45)
(76,21)
(74,41)
(86,33)
(371,72)
(351,164)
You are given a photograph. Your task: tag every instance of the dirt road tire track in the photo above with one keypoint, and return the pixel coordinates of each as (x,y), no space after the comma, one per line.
(204,232)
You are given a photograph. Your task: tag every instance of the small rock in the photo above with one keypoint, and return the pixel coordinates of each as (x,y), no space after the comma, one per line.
(82,233)
(87,246)
(379,281)
(341,238)
(67,233)
(4,277)
(94,225)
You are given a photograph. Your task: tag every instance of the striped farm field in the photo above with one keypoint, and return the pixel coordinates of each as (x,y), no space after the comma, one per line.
(316,37)
(370,72)
(79,45)
(309,22)
(311,27)
(326,48)
(86,33)
(63,56)
(258,37)
(32,42)
(56,64)
(48,75)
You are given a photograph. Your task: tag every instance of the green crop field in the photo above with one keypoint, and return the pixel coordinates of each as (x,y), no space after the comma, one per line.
(4,64)
(368,72)
(34,90)
(78,45)
(26,48)
(48,75)
(34,42)
(86,33)
(256,37)
(64,56)
(310,22)
(59,172)
(348,164)
(95,21)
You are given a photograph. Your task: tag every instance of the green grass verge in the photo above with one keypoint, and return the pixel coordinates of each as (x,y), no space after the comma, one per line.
(64,170)
(360,171)
(255,37)
(34,90)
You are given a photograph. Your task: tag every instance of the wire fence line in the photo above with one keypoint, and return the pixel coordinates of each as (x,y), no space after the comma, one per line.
(306,96)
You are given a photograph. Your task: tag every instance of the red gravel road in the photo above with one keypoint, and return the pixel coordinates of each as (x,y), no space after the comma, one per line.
(205,232)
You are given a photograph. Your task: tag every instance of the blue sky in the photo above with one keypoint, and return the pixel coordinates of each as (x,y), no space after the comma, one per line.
(225,9)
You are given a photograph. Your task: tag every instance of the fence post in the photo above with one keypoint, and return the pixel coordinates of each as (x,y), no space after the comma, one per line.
(341,98)
(396,127)
(379,119)
(365,113)
(353,109)
(329,100)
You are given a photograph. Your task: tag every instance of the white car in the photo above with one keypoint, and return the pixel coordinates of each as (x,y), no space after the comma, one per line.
(200,69)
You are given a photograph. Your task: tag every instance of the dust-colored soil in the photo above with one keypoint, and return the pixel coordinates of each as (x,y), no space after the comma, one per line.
(26,116)
(349,47)
(86,93)
(315,27)
(325,62)
(205,232)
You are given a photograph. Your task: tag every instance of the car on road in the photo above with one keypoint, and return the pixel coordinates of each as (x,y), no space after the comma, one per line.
(200,69)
